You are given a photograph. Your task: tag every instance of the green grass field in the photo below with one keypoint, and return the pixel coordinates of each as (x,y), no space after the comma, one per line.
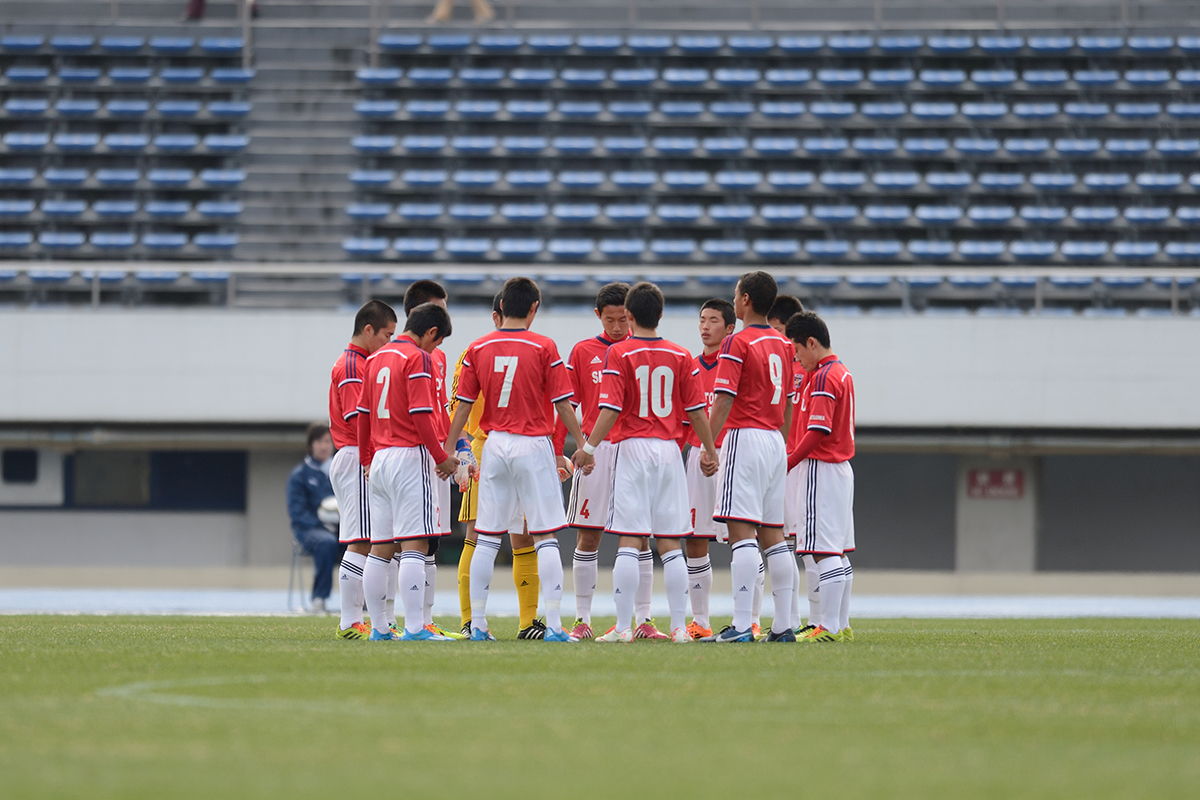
(132,707)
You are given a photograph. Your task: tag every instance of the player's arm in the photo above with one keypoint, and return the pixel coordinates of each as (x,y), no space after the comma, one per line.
(819,419)
(787,418)
(725,387)
(459,421)
(604,425)
(567,414)
(708,459)
(365,450)
(466,392)
(722,405)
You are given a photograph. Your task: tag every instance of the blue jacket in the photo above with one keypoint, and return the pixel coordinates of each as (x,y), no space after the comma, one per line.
(307,486)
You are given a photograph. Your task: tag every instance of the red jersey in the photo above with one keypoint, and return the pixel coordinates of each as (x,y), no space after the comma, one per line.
(754,363)
(705,372)
(345,384)
(796,432)
(520,376)
(398,384)
(648,382)
(441,396)
(584,366)
(828,406)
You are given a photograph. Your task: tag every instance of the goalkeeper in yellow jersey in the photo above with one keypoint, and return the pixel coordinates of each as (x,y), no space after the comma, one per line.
(525,574)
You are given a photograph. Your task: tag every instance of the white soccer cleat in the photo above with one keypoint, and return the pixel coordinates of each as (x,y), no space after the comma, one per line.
(614,635)
(680,636)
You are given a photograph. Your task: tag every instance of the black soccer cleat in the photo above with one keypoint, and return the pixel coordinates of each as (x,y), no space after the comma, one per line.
(535,631)
(787,636)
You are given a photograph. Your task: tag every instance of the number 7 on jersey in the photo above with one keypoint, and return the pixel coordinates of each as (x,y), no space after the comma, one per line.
(507,365)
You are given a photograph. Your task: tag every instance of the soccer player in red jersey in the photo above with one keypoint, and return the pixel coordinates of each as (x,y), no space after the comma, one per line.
(374,326)
(522,380)
(398,441)
(647,382)
(784,308)
(717,321)
(587,508)
(823,459)
(752,414)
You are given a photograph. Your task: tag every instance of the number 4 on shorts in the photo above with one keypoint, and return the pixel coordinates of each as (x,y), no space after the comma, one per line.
(583,512)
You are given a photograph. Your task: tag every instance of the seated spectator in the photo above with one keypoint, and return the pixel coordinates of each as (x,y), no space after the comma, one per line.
(444,8)
(307,486)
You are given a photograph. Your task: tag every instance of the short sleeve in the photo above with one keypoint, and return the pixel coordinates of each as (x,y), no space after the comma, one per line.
(421,393)
(558,383)
(467,388)
(823,401)
(573,375)
(690,393)
(365,394)
(350,387)
(612,383)
(729,365)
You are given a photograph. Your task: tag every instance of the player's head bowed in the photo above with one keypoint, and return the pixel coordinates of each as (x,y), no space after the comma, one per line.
(429,325)
(520,298)
(756,291)
(645,304)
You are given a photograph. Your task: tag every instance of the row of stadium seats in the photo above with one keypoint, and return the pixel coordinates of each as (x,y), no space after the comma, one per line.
(779,78)
(15,210)
(124,142)
(107,178)
(21,76)
(805,44)
(779,180)
(986,251)
(69,241)
(767,146)
(772,214)
(28,44)
(124,108)
(940,112)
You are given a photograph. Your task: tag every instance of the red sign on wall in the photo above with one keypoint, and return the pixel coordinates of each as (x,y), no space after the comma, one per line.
(996,484)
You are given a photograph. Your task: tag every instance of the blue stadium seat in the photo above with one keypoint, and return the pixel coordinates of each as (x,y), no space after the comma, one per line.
(672,248)
(751,44)
(1138,110)
(830,249)
(357,247)
(467,247)
(116,240)
(221,45)
(993,78)
(423,144)
(168,209)
(622,248)
(16,208)
(172,45)
(77,107)
(76,142)
(427,109)
(78,75)
(484,76)
(579,109)
(1188,77)
(1052,181)
(1087,110)
(1189,44)
(1034,251)
(420,212)
(1188,215)
(477,109)
(524,145)
(981,250)
(129,75)
(430,76)
(1095,215)
(1001,181)
(473,144)
(679,214)
(1183,251)
(476,178)
(893,181)
(1159,182)
(1106,181)
(784,214)
(1077,147)
(976,146)
(731,214)
(875,145)
(934,110)
(938,214)
(65,241)
(231,76)
(774,109)
(26,142)
(1022,147)
(178,108)
(842,180)
(832,77)
(68,176)
(675,145)
(825,145)
(991,215)
(63,209)
(724,145)
(731,109)
(790,179)
(181,75)
(925,146)
(1043,215)
(680,108)
(884,111)
(17,43)
(685,76)
(581,179)
(1036,111)
(128,177)
(449,42)
(1152,215)
(1126,281)
(1074,281)
(26,106)
(11,240)
(699,44)
(635,109)
(631,78)
(1045,77)
(942,78)
(692,179)
(226,142)
(416,247)
(529,179)
(373,144)
(400,42)
(801,44)
(627,212)
(625,145)
(1096,77)
(649,43)
(18,74)
(835,214)
(737,77)
(570,249)
(1135,251)
(950,44)
(219,209)
(574,145)
(227,109)
(776,248)
(519,249)
(368,211)
(72,44)
(602,43)
(724,248)
(879,249)
(775,145)
(889,78)
(1001,45)
(900,44)
(61,240)
(550,43)
(634,179)
(781,78)
(20,176)
(1127,148)
(886,214)
(1084,251)
(528,109)
(1100,45)
(984,111)
(575,212)
(1147,77)
(372,177)
(580,77)
(851,44)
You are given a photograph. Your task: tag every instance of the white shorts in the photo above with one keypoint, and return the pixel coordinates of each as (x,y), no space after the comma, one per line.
(441,491)
(750,480)
(827,507)
(403,499)
(519,474)
(352,493)
(702,496)
(591,494)
(649,490)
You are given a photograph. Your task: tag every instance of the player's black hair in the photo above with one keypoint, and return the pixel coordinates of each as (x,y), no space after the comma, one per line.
(725,307)
(644,302)
(784,308)
(426,316)
(612,294)
(518,296)
(375,313)
(762,290)
(807,324)
(496,302)
(314,432)
(422,291)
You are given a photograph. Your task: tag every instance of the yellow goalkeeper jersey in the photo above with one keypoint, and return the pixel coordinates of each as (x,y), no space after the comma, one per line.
(472,427)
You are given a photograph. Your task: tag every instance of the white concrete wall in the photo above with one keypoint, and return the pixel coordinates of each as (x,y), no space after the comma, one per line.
(216,365)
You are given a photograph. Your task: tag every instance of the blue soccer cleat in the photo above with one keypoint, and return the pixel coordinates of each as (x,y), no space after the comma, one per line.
(478,635)
(731,634)
(424,635)
(558,635)
(376,636)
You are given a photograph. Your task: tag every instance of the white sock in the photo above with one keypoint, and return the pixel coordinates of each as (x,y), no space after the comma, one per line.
(700,580)
(483,564)
(645,590)
(675,579)
(376,577)
(584,569)
(812,583)
(430,588)
(389,608)
(743,568)
(782,565)
(833,580)
(759,588)
(411,589)
(796,581)
(848,571)
(625,585)
(550,575)
(350,588)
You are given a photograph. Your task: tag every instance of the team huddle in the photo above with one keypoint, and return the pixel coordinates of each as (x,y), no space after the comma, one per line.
(747,443)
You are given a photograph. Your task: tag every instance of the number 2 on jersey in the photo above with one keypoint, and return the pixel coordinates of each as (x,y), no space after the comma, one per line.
(384,377)
(507,365)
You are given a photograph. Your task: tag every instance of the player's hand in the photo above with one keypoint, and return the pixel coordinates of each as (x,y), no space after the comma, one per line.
(468,467)
(366,474)
(583,461)
(709,464)
(447,468)
(565,468)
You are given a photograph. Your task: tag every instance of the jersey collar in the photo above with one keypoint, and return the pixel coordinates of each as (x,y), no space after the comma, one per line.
(829,359)
(352,347)
(647,338)
(715,361)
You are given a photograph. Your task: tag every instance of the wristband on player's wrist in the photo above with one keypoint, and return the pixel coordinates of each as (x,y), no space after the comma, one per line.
(589,448)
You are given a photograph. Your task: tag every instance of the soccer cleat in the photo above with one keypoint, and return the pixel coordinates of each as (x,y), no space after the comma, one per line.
(696,631)
(806,630)
(680,636)
(438,630)
(357,630)
(731,634)
(647,631)
(821,634)
(535,631)
(466,629)
(481,636)
(756,628)
(614,635)
(424,635)
(787,636)
(847,634)
(376,636)
(581,630)
(557,635)
(395,630)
